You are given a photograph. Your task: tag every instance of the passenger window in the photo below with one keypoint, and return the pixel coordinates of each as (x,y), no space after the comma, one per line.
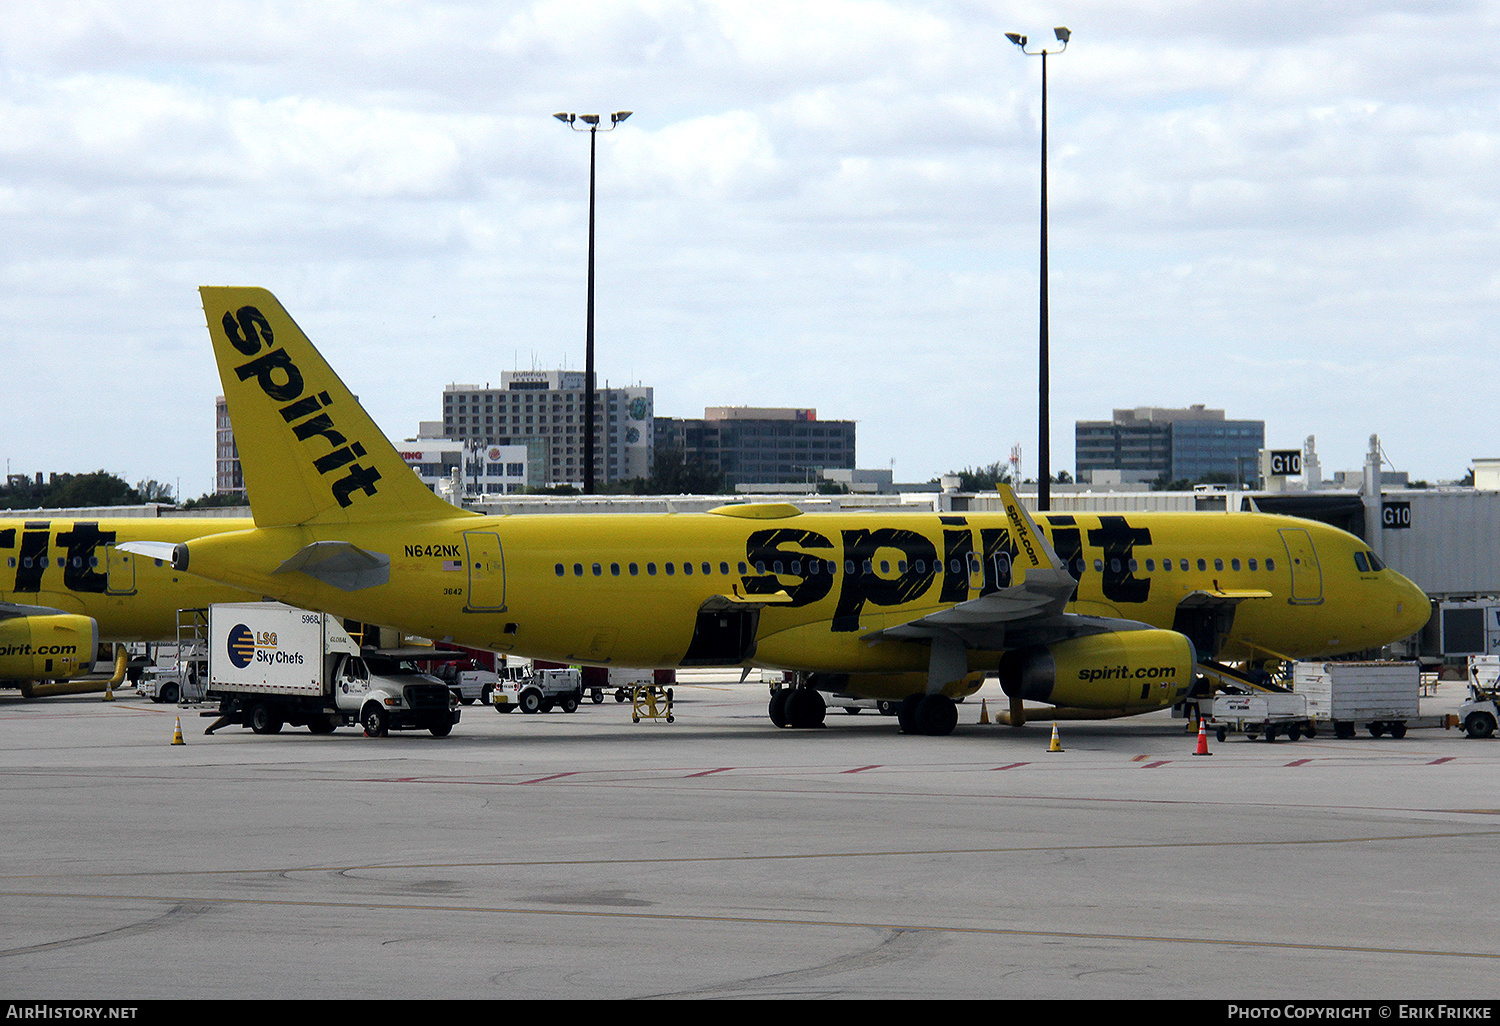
(901,566)
(849,566)
(650,569)
(708,568)
(1133,566)
(1099,566)
(1182,564)
(1252,564)
(577,569)
(1218,564)
(668,568)
(1114,566)
(1234,564)
(885,566)
(560,570)
(921,566)
(687,567)
(743,567)
(1166,564)
(724,569)
(776,567)
(634,569)
(1270,563)
(614,569)
(1202,564)
(1150,565)
(598,570)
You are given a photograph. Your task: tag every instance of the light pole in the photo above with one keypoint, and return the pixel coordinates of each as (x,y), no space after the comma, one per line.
(1044,440)
(591,126)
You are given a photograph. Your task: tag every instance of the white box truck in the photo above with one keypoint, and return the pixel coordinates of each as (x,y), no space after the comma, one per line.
(270,664)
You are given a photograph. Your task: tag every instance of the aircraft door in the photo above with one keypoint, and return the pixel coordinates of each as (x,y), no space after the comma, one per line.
(119,568)
(486,565)
(1307,575)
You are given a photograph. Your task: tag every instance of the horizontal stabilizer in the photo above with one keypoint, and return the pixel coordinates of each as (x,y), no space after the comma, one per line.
(340,564)
(161,550)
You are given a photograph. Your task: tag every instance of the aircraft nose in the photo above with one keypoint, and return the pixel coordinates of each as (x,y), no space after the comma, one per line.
(1412,607)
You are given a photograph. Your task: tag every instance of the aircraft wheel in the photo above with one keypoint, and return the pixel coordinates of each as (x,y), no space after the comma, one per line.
(937,715)
(805,708)
(906,713)
(777,710)
(374,721)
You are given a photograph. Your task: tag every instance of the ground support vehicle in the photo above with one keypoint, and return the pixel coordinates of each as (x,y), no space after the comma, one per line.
(533,691)
(651,703)
(1381,697)
(468,684)
(1263,714)
(179,671)
(1480,714)
(270,665)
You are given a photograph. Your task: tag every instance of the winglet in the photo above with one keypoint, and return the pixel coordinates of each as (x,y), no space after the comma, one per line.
(1032,548)
(309,451)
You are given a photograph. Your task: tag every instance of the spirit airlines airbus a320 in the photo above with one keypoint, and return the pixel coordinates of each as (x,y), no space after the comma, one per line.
(1107,613)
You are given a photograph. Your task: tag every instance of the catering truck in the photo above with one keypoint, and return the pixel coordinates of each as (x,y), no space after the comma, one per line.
(270,664)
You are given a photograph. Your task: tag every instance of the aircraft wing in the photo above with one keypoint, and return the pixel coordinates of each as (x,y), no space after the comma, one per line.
(1028,612)
(9,610)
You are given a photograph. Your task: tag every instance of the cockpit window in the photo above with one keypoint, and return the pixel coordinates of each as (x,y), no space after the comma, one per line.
(1376,563)
(1360,563)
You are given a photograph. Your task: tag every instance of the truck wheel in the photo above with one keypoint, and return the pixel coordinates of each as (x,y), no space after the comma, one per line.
(374,721)
(531,701)
(485,694)
(441,729)
(168,694)
(1397,730)
(597,695)
(1479,725)
(569,704)
(263,720)
(620,695)
(321,725)
(1294,733)
(1221,734)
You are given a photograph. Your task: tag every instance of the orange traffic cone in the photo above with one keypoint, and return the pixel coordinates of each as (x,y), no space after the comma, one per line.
(1202,739)
(984,712)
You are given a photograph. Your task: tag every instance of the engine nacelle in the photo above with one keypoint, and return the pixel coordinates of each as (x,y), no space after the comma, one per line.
(1134,671)
(56,646)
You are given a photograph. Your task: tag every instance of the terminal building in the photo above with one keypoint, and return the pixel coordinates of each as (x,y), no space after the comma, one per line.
(545,410)
(761,446)
(1150,443)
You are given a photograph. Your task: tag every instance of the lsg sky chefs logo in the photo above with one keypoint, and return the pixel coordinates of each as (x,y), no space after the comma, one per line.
(246,646)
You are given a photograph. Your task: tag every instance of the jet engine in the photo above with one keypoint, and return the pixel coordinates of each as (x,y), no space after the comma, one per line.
(57,646)
(1130,671)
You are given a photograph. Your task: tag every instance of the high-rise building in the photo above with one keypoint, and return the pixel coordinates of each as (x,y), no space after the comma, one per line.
(1150,442)
(756,445)
(546,409)
(228,478)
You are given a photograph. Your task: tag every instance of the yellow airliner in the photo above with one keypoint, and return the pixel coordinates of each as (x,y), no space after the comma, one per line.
(1107,613)
(66,586)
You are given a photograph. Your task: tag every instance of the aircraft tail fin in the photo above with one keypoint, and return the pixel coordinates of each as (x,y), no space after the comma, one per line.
(309,451)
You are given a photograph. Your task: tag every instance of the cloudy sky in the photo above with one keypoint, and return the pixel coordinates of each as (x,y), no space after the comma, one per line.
(1285,210)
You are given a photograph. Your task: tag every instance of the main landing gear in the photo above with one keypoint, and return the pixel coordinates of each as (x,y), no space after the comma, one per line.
(934,715)
(797,707)
(803,707)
